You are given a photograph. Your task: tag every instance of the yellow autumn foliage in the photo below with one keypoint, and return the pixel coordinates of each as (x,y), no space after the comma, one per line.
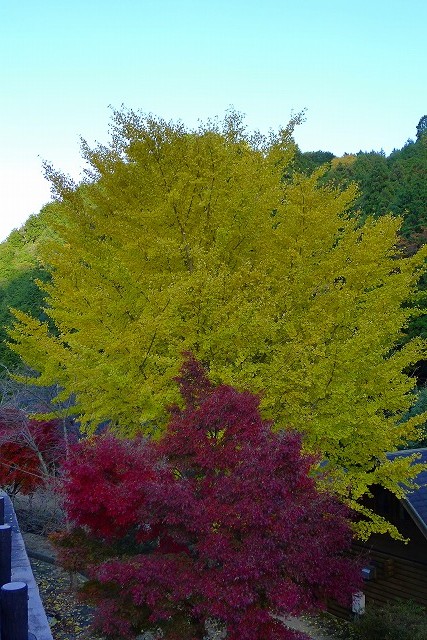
(192,241)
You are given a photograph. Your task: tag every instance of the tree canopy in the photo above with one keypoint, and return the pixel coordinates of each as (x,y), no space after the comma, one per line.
(186,240)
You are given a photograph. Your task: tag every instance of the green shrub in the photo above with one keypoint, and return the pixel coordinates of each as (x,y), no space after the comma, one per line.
(403,620)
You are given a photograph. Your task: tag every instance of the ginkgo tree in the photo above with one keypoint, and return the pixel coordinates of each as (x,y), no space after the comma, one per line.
(193,240)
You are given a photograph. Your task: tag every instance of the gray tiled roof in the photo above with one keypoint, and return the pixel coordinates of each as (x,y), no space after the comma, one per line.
(416,501)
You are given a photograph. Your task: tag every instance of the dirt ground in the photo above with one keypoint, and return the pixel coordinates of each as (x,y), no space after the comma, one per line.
(68,619)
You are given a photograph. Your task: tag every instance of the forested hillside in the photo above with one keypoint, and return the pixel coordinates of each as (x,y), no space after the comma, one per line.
(394,184)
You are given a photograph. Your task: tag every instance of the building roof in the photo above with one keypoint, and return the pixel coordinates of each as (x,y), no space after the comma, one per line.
(415,502)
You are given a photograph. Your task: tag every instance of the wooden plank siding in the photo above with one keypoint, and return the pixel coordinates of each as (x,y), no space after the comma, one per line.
(397,578)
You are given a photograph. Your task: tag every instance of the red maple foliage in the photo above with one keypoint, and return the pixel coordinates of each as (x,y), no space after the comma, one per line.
(30,450)
(239,532)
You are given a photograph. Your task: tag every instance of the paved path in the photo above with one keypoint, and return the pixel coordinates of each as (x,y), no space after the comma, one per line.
(299,624)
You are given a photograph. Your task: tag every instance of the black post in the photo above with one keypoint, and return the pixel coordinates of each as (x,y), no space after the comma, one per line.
(5,554)
(1,509)
(14,611)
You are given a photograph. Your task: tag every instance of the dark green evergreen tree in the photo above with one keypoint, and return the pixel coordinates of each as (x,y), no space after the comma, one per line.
(421,127)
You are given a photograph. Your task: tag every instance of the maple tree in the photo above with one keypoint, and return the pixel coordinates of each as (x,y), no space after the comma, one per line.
(219,520)
(192,240)
(31,451)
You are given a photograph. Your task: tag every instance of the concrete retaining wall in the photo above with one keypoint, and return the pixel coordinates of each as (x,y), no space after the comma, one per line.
(22,572)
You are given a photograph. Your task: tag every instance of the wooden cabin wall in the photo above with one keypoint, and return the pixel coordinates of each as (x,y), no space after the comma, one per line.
(397,578)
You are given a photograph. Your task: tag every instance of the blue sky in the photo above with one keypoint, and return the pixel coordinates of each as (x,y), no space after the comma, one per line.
(357,68)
